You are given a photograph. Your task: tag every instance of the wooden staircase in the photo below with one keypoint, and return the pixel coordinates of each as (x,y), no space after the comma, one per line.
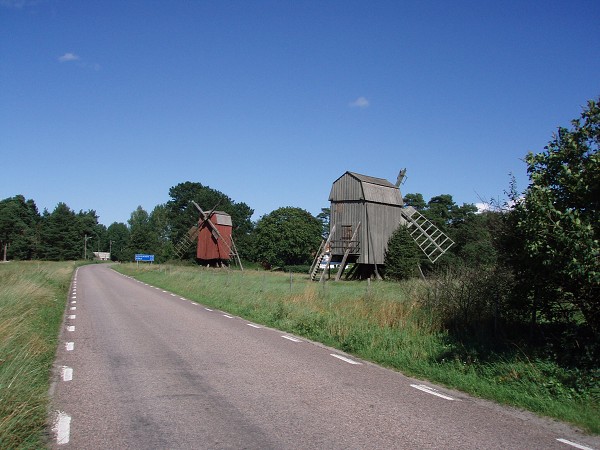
(321,254)
(430,239)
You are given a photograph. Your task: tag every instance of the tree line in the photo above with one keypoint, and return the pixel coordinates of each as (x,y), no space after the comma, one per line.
(286,236)
(533,259)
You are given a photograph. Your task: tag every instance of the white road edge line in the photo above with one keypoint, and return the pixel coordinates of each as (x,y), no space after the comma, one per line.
(348,360)
(290,338)
(430,390)
(66,373)
(72,316)
(229,317)
(62,428)
(208,309)
(70,327)
(574,444)
(253,326)
(70,346)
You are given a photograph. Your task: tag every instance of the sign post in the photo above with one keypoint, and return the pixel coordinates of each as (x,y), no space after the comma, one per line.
(142,257)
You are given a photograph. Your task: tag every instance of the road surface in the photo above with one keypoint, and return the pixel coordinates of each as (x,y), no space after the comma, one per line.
(142,368)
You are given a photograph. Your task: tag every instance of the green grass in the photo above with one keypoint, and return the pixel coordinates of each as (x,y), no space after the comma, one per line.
(384,323)
(33,296)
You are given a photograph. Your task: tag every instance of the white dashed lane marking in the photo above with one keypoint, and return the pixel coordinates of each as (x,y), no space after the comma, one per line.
(70,327)
(66,373)
(343,358)
(431,391)
(574,444)
(253,326)
(72,316)
(62,428)
(290,338)
(70,346)
(228,316)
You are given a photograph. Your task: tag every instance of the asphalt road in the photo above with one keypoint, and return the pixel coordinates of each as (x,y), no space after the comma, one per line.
(141,368)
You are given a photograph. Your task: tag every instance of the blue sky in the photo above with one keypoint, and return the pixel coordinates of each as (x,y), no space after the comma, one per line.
(106,105)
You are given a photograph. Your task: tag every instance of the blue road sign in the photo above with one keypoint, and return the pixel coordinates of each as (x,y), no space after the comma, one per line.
(142,257)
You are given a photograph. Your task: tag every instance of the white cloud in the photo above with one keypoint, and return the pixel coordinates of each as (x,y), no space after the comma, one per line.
(360,102)
(482,207)
(68,57)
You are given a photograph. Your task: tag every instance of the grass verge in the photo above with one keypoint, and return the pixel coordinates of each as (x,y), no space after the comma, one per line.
(384,323)
(33,296)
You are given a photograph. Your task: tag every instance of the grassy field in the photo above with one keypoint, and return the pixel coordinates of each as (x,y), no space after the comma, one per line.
(384,323)
(33,296)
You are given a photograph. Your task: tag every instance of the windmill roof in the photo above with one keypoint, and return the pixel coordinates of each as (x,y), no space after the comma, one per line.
(372,180)
(370,189)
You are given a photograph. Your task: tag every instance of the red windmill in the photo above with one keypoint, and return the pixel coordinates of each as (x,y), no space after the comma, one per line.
(215,242)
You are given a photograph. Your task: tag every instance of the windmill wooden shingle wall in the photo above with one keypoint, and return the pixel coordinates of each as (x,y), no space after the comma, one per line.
(211,246)
(375,203)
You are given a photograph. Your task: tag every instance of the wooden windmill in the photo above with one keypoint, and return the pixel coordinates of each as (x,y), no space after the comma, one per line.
(213,236)
(365,211)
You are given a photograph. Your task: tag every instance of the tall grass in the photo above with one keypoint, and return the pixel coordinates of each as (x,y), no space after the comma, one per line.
(392,324)
(32,302)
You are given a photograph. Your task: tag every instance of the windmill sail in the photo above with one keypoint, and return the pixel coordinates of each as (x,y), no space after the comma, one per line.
(430,239)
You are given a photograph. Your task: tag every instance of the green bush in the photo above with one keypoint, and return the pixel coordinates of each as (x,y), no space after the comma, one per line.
(402,257)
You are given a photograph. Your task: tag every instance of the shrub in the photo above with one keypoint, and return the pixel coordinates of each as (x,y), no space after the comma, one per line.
(402,257)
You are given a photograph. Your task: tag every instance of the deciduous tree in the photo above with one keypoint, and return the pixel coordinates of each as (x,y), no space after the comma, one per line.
(558,222)
(118,236)
(143,237)
(287,236)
